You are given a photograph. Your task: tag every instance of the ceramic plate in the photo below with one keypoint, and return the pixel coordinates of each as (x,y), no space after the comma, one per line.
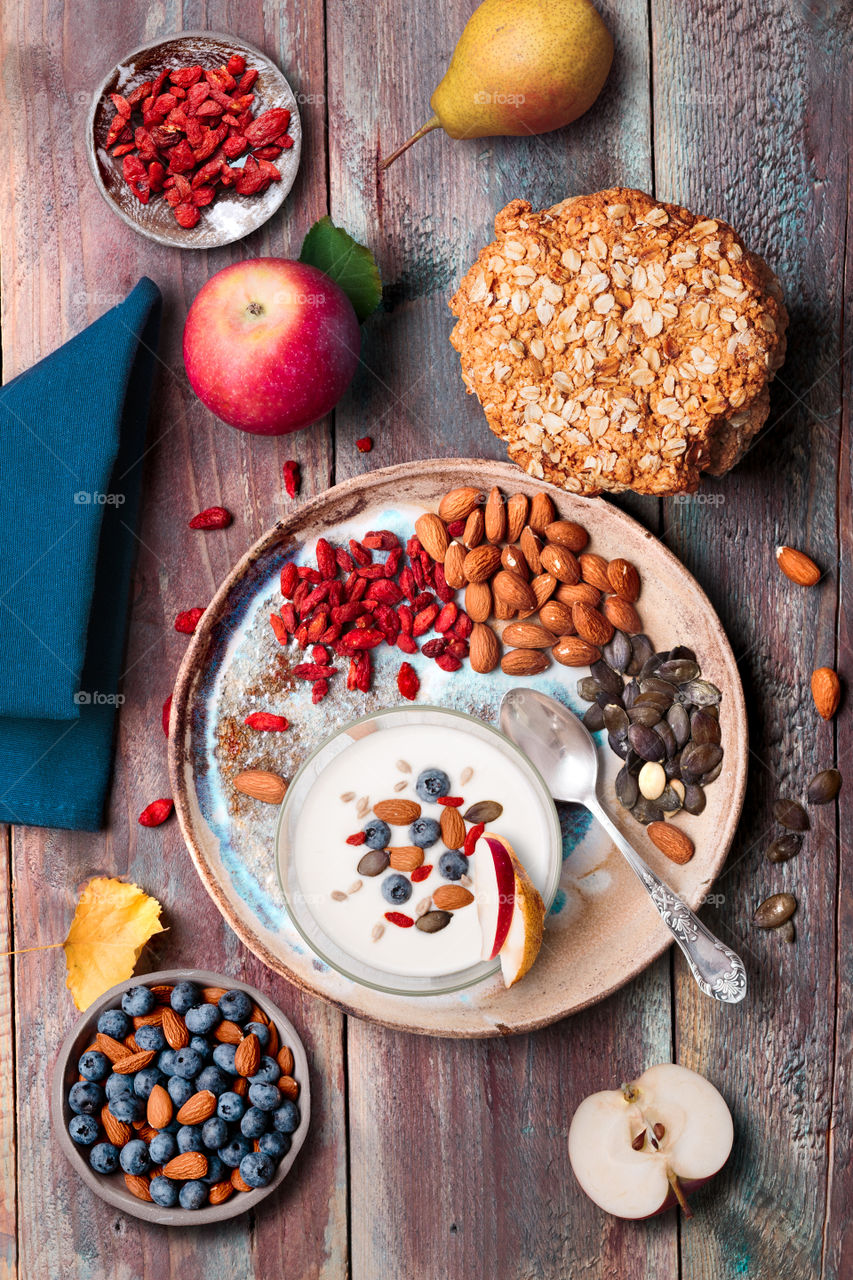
(230,217)
(602,929)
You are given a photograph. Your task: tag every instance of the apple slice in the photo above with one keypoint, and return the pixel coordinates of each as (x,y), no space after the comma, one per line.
(495,892)
(523,939)
(642,1148)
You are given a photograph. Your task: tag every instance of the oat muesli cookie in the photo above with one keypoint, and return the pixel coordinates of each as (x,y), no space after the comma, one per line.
(615,342)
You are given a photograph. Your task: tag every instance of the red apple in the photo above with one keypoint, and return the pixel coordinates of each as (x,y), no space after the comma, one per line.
(642,1148)
(495,894)
(271,345)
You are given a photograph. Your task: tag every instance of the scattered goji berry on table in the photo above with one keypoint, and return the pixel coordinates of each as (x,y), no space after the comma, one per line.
(319,690)
(407,681)
(292,478)
(155,813)
(187,621)
(164,715)
(279,629)
(211,518)
(364,445)
(267,721)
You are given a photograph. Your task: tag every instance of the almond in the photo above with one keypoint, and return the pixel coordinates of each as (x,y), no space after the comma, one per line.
(273,1043)
(516,516)
(134,1062)
(557,618)
(504,610)
(594,570)
(285,1060)
(478,601)
(495,516)
(130,1043)
(146,1131)
(475,528)
(153,1019)
(513,591)
(524,662)
(484,651)
(672,841)
(188,1165)
(797,566)
(241,1086)
(826,691)
(624,579)
(175,1029)
(590,624)
(481,562)
(160,1107)
(529,635)
(137,1186)
(258,1015)
(450,897)
(219,1192)
(238,1183)
(458,504)
(454,574)
(452,827)
(112,1049)
(162,992)
(201,1105)
(397,813)
(289,1087)
(228,1033)
(213,995)
(247,1058)
(571,651)
(567,534)
(406,857)
(560,562)
(530,549)
(260,784)
(118,1133)
(544,585)
(622,614)
(542,513)
(432,535)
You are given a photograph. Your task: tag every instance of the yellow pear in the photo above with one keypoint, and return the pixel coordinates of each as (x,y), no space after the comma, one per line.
(521,67)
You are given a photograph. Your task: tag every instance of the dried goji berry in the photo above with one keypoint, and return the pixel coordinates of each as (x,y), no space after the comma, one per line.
(268,126)
(187,621)
(288,617)
(392,564)
(289,579)
(456,528)
(236,64)
(406,643)
(407,681)
(372,572)
(165,713)
(381,540)
(447,662)
(319,690)
(279,629)
(421,873)
(247,80)
(442,590)
(463,626)
(407,583)
(363,672)
(407,618)
(446,618)
(354,641)
(301,635)
(267,721)
(398,918)
(326,562)
(186,215)
(459,648)
(422,601)
(317,626)
(312,671)
(424,619)
(364,445)
(155,813)
(309,574)
(357,838)
(211,518)
(385,591)
(331,634)
(291,478)
(453,801)
(319,653)
(434,648)
(344,559)
(359,553)
(472,837)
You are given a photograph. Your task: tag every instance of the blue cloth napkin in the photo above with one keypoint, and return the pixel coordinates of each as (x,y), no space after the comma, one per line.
(72,438)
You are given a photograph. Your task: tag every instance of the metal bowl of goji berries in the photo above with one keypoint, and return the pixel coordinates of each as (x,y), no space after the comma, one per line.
(194,140)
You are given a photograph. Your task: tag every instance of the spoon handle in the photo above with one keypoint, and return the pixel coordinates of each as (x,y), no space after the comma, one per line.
(719,971)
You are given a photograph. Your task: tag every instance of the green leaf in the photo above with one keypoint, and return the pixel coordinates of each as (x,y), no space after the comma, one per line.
(350,264)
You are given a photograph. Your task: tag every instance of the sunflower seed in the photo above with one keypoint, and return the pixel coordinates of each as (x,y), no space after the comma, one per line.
(775,910)
(362,806)
(355,886)
(790,814)
(404,766)
(348,796)
(422,906)
(784,847)
(466,775)
(337,896)
(401,785)
(377,931)
(824,787)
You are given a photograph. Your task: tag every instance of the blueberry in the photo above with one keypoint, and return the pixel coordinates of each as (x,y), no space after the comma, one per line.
(85,1097)
(268,1072)
(377,834)
(202,1018)
(254,1123)
(286,1118)
(113,1022)
(230,1106)
(135,1156)
(216,1171)
(189,1138)
(127,1107)
(164,1192)
(104,1158)
(265,1096)
(275,1145)
(162,1147)
(188,1063)
(180,1090)
(214,1080)
(234,1152)
(117,1084)
(202,1047)
(94,1065)
(396,889)
(214,1133)
(145,1080)
(137,1002)
(223,1056)
(424,832)
(150,1038)
(166,1062)
(184,996)
(83,1130)
(452,865)
(256,1169)
(431,784)
(261,1030)
(236,1006)
(193,1195)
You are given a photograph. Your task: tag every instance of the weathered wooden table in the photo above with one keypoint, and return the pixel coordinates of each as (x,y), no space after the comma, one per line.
(447,1160)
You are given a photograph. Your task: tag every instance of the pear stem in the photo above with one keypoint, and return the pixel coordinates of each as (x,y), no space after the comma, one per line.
(432,123)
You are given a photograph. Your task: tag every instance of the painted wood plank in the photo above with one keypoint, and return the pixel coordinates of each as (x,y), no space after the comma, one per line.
(752,96)
(459,1165)
(8,1128)
(65,260)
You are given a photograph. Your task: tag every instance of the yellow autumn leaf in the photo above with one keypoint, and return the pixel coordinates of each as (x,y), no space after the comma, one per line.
(111,925)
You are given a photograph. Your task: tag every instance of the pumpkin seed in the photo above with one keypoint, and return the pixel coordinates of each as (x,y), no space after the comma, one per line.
(698,759)
(646,742)
(641,650)
(679,721)
(790,814)
(712,775)
(432,921)
(594,718)
(681,651)
(631,693)
(633,762)
(647,811)
(701,693)
(784,847)
(483,811)
(669,800)
(644,714)
(694,799)
(627,788)
(373,863)
(663,730)
(588,687)
(704,728)
(654,684)
(775,910)
(618,744)
(607,678)
(824,786)
(616,719)
(618,652)
(604,699)
(679,670)
(654,698)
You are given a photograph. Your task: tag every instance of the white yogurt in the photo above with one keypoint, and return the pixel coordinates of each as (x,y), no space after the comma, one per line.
(327,865)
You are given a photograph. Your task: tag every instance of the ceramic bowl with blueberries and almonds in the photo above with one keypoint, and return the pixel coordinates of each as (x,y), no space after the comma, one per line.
(182,1097)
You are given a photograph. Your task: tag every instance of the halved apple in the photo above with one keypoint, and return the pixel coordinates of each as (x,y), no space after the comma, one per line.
(512,913)
(495,893)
